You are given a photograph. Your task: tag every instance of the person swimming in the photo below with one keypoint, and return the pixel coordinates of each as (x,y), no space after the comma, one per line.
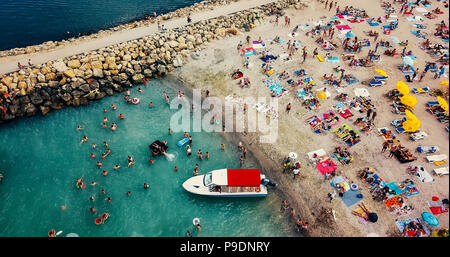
(116,167)
(92,155)
(130,161)
(104,173)
(84,139)
(113,106)
(189,150)
(121,116)
(113,127)
(175,168)
(145,185)
(79,127)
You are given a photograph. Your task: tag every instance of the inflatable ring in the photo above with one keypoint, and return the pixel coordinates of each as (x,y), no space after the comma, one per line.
(258,189)
(51,233)
(354,187)
(218,121)
(196,221)
(322,95)
(98,221)
(135,100)
(105,216)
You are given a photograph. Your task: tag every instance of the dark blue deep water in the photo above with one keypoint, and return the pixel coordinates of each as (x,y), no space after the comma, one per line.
(31,22)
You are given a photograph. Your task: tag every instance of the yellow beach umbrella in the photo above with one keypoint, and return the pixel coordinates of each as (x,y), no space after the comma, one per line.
(411,125)
(402,88)
(321,95)
(408,100)
(444,83)
(410,115)
(381,72)
(442,103)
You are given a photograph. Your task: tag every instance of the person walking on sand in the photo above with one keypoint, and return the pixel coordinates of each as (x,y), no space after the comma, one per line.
(288,108)
(331,6)
(374,114)
(304,55)
(385,146)
(326,4)
(284,205)
(239,47)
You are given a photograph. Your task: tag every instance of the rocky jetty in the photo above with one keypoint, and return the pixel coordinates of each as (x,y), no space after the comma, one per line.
(79,79)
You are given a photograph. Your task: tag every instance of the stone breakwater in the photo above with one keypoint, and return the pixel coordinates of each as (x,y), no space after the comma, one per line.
(79,79)
(182,12)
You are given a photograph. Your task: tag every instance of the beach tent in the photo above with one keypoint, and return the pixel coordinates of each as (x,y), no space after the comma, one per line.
(381,72)
(408,100)
(402,88)
(442,103)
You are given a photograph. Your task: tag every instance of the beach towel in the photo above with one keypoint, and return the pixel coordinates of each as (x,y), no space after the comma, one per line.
(351,197)
(401,224)
(248,51)
(327,166)
(343,27)
(393,201)
(361,92)
(333,59)
(334,18)
(436,207)
(372,23)
(346,114)
(395,40)
(319,153)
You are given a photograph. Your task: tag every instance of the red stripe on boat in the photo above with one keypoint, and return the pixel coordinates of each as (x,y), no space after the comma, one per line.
(243,177)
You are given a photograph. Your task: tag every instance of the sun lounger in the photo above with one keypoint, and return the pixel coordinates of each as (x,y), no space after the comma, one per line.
(380,78)
(375,83)
(427,149)
(421,90)
(441,171)
(423,175)
(400,130)
(418,136)
(432,103)
(436,158)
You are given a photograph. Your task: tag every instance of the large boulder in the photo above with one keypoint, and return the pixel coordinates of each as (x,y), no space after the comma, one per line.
(60,66)
(97,73)
(74,64)
(138,78)
(69,73)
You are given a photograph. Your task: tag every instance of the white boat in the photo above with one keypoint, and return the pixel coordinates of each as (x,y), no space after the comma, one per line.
(229,183)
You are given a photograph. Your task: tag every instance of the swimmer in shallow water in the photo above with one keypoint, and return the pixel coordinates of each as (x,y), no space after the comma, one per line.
(139,90)
(175,168)
(113,127)
(129,193)
(92,155)
(84,139)
(80,127)
(121,116)
(113,106)
(130,161)
(116,167)
(104,173)
(145,185)
(151,161)
(105,120)
(189,150)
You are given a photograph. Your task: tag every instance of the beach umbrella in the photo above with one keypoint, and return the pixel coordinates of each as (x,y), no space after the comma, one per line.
(408,100)
(411,125)
(408,61)
(442,103)
(402,88)
(381,72)
(293,155)
(444,83)
(321,95)
(410,115)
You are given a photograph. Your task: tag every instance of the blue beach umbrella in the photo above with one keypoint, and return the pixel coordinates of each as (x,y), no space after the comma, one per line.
(408,61)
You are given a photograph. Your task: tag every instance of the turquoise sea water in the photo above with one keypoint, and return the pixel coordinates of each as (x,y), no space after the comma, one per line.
(30,22)
(41,158)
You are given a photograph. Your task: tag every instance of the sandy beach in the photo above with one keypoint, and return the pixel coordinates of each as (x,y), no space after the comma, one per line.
(308,193)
